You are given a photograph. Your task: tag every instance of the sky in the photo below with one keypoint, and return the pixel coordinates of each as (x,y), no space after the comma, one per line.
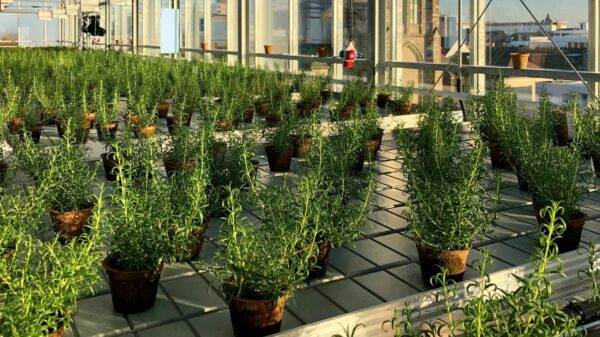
(574,11)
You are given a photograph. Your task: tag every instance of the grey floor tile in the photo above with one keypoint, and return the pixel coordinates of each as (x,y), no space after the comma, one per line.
(508,254)
(411,275)
(310,306)
(375,252)
(385,202)
(396,194)
(176,270)
(372,227)
(524,243)
(347,262)
(389,180)
(515,224)
(191,295)
(349,295)
(386,286)
(400,244)
(162,311)
(217,324)
(96,316)
(179,329)
(388,219)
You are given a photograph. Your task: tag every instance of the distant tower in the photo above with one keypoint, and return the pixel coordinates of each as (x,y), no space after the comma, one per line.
(548,19)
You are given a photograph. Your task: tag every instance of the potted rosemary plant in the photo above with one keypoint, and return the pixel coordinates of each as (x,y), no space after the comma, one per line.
(553,176)
(445,209)
(42,281)
(260,267)
(142,239)
(279,147)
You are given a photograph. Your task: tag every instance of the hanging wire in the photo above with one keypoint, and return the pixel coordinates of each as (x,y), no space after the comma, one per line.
(590,90)
(350,20)
(459,51)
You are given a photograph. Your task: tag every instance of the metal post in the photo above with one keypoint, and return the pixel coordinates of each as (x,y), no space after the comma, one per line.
(337,36)
(243,25)
(594,42)
(477,44)
(134,29)
(293,30)
(459,51)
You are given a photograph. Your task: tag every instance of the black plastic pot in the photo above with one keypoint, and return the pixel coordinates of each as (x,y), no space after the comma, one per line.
(110,165)
(132,291)
(596,161)
(322,261)
(499,160)
(35,132)
(279,161)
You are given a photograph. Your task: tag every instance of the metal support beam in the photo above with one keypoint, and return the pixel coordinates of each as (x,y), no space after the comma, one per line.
(294,30)
(134,29)
(337,36)
(477,44)
(594,42)
(243,24)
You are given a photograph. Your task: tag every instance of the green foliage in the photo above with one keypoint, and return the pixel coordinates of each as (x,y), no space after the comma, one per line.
(264,262)
(447,206)
(488,310)
(42,281)
(554,173)
(142,232)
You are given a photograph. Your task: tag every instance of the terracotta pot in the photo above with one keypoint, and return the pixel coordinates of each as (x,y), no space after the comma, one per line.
(268,49)
(88,120)
(173,166)
(58,333)
(402,109)
(255,318)
(346,112)
(35,132)
(322,262)
(432,262)
(163,110)
(132,119)
(110,166)
(519,60)
(322,52)
(279,161)
(172,121)
(596,161)
(223,125)
(571,238)
(383,99)
(195,246)
(213,45)
(370,149)
(132,291)
(107,131)
(263,108)
(71,224)
(204,45)
(146,131)
(81,134)
(498,158)
(306,110)
(302,145)
(15,125)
